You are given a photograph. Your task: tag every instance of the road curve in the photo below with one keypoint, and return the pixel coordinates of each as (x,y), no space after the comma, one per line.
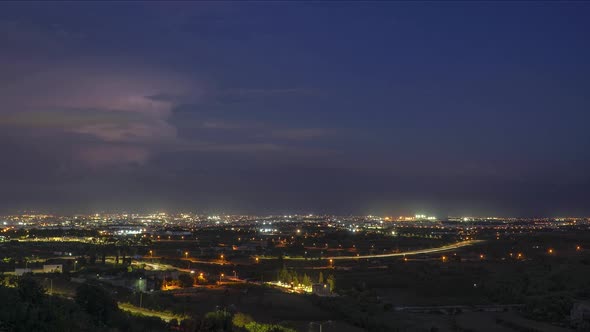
(405,253)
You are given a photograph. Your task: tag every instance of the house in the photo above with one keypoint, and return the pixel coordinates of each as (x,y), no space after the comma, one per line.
(52,268)
(321,289)
(580,314)
(20,271)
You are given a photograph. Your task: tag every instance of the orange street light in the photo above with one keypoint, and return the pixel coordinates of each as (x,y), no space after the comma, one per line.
(481,256)
(186,254)
(578,248)
(550,251)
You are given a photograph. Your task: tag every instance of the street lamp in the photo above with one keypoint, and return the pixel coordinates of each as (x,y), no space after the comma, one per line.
(51,286)
(140,292)
(186,254)
(320,324)
(221,276)
(151,253)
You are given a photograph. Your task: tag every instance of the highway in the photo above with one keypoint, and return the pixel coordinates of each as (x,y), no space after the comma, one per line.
(401,254)
(445,248)
(192,260)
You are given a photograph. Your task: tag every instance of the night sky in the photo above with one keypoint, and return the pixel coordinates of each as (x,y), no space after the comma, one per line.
(395,108)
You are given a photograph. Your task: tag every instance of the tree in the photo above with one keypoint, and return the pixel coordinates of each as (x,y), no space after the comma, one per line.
(278,328)
(29,290)
(201,279)
(332,282)
(259,327)
(321,278)
(240,319)
(306,280)
(284,275)
(295,278)
(219,320)
(187,325)
(185,280)
(97,302)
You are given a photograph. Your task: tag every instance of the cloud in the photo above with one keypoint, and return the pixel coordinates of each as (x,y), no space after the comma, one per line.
(109,111)
(147,132)
(239,95)
(64,119)
(106,102)
(18,36)
(232,147)
(300,133)
(89,85)
(99,156)
(221,124)
(266,130)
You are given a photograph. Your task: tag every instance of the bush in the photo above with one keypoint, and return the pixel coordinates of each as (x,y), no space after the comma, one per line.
(241,320)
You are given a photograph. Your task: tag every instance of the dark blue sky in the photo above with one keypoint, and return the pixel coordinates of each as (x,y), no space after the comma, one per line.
(369,107)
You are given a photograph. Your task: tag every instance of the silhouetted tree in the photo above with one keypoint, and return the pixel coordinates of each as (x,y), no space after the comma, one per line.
(185,280)
(97,302)
(29,290)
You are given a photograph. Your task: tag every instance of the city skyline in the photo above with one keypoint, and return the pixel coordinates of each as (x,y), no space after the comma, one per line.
(327,108)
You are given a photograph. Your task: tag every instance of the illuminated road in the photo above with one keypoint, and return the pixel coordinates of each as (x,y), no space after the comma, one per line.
(192,260)
(405,253)
(165,316)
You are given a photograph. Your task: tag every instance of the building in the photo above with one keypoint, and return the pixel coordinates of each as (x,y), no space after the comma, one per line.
(20,271)
(53,268)
(580,314)
(321,289)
